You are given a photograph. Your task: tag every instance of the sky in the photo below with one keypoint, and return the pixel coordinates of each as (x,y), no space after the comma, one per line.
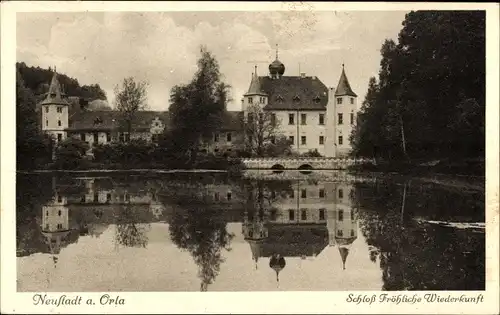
(162,47)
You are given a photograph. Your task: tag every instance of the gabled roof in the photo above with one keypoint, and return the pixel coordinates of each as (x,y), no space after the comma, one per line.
(309,93)
(344,88)
(55,94)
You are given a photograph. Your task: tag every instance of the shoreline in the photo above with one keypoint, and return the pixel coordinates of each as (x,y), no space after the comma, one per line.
(459,181)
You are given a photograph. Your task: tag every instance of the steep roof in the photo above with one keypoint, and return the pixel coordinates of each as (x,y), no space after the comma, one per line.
(232,120)
(55,94)
(111,120)
(294,240)
(344,88)
(295,93)
(255,86)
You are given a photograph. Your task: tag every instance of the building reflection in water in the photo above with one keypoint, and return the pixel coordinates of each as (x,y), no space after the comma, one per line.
(88,206)
(299,220)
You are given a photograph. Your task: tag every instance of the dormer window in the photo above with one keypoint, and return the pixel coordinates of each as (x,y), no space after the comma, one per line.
(98,121)
(280,98)
(317,99)
(296,98)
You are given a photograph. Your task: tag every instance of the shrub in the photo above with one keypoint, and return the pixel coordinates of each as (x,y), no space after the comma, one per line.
(70,154)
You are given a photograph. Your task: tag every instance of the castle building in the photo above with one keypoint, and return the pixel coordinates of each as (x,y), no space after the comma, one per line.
(311,116)
(61,119)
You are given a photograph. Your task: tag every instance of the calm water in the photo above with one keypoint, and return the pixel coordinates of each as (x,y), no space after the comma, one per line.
(318,231)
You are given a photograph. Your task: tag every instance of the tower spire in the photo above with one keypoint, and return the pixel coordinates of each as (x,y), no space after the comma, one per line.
(276,51)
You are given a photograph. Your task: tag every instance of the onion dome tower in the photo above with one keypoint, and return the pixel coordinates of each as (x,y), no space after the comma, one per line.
(276,68)
(277,263)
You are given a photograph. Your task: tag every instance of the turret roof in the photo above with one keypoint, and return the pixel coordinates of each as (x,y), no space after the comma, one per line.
(344,88)
(55,94)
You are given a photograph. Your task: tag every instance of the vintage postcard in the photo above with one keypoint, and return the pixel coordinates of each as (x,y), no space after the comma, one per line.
(249,157)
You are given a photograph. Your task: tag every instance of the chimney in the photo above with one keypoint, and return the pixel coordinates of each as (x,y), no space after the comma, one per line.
(302,74)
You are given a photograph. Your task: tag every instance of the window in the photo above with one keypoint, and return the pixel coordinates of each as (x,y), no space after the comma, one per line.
(273,139)
(352,118)
(216,137)
(82,136)
(108,197)
(303,139)
(216,150)
(340,233)
(317,99)
(96,137)
(59,213)
(157,124)
(59,123)
(291,119)
(292,194)
(352,100)
(273,119)
(352,233)
(341,215)
(341,193)
(303,119)
(303,214)
(341,140)
(96,197)
(303,193)
(291,215)
(108,136)
(322,193)
(59,226)
(250,100)
(127,197)
(296,98)
(59,109)
(340,119)
(216,196)
(321,119)
(274,214)
(46,123)
(59,137)
(82,199)
(291,139)
(229,196)
(352,215)
(321,140)
(59,199)
(46,109)
(121,137)
(322,214)
(339,100)
(229,137)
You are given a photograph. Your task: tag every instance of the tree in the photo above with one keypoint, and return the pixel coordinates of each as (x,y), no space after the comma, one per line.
(196,109)
(129,99)
(429,100)
(70,153)
(262,136)
(32,146)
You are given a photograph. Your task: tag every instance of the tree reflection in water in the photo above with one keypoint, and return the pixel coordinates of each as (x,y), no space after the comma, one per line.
(415,256)
(128,231)
(202,232)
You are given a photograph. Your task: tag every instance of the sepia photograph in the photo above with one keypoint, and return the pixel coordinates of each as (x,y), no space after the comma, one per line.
(251,151)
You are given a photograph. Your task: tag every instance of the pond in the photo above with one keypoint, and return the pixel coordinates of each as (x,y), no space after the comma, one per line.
(264,232)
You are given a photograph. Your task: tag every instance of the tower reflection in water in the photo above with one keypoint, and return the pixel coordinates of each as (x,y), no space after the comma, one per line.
(298,219)
(88,206)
